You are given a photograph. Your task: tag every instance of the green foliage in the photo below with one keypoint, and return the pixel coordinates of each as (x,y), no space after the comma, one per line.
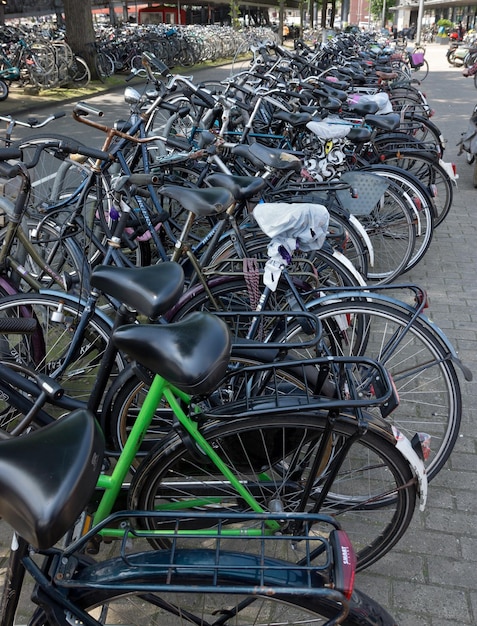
(377,9)
(444,24)
(234,14)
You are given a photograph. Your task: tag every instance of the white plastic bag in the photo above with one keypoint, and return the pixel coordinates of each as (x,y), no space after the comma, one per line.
(290,226)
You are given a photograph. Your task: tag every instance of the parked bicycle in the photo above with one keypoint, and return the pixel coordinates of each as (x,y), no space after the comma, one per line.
(236,579)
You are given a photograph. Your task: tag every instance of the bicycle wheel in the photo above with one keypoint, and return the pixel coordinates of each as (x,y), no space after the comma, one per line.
(409,100)
(79,72)
(52,167)
(104,65)
(422,129)
(391,229)
(372,492)
(127,394)
(45,350)
(110,607)
(323,267)
(62,255)
(419,201)
(234,293)
(4,90)
(426,380)
(429,171)
(422,71)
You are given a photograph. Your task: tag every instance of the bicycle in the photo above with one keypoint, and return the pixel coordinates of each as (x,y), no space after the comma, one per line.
(206,440)
(427,350)
(231,580)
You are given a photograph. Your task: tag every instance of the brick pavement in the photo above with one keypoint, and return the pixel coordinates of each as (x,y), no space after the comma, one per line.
(430,578)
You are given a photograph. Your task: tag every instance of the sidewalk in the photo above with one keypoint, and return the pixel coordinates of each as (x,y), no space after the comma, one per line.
(19,101)
(430,578)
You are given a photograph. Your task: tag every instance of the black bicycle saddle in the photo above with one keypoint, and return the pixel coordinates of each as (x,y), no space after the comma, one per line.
(48,476)
(192,354)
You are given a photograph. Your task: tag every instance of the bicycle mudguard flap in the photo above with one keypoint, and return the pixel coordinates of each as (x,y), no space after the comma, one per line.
(368,189)
(47,477)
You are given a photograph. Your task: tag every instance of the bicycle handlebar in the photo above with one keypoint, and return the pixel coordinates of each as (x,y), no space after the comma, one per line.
(11,170)
(83,108)
(32,122)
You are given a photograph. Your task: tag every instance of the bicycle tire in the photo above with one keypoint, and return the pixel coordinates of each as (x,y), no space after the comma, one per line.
(422,72)
(62,255)
(391,229)
(104,65)
(328,267)
(126,396)
(234,294)
(422,129)
(430,398)
(44,350)
(56,182)
(420,201)
(79,72)
(44,173)
(406,99)
(431,174)
(424,375)
(269,453)
(200,608)
(4,90)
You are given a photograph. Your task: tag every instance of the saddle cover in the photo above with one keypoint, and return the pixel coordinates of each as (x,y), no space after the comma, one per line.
(290,226)
(381,99)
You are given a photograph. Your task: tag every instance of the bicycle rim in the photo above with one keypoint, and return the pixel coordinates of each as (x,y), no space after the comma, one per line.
(175,609)
(431,174)
(371,495)
(45,349)
(429,392)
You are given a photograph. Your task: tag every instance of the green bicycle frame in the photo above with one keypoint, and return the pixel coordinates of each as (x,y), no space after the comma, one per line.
(111,484)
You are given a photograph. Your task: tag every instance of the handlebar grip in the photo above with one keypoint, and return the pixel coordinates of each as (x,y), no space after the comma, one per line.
(180,144)
(140,180)
(82,108)
(56,116)
(79,148)
(206,98)
(10,171)
(10,153)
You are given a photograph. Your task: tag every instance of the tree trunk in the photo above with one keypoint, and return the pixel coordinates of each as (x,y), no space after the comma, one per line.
(80,31)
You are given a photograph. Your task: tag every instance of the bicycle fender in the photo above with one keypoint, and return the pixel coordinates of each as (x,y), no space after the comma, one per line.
(385,299)
(364,236)
(66,297)
(405,448)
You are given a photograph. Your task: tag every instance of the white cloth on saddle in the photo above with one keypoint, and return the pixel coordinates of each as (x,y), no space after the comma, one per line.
(290,226)
(330,128)
(381,99)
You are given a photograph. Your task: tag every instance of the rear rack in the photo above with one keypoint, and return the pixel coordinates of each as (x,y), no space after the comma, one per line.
(272,329)
(233,554)
(327,383)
